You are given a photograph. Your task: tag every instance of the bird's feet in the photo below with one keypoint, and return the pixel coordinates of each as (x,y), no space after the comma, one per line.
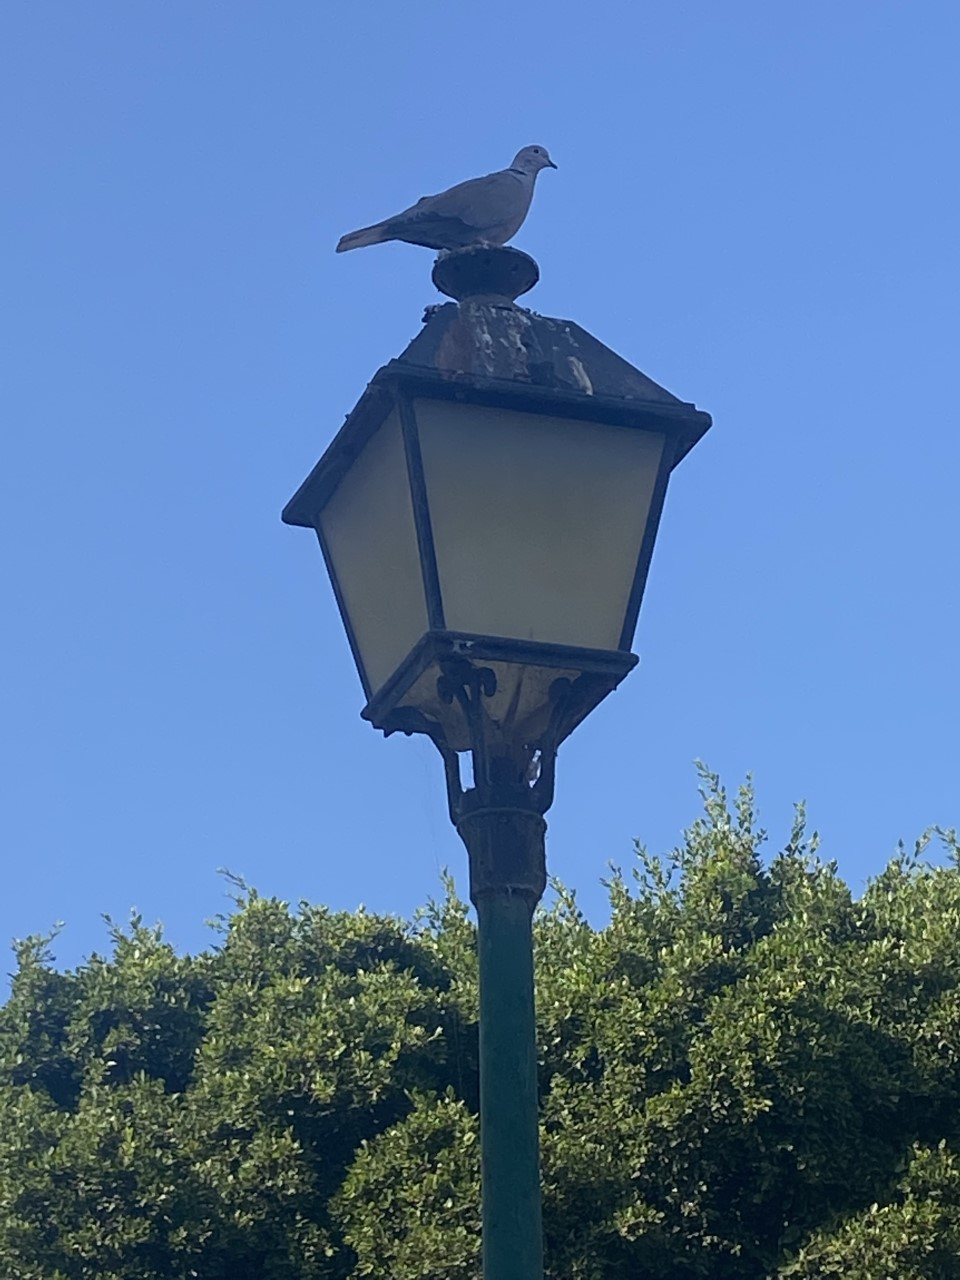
(462,248)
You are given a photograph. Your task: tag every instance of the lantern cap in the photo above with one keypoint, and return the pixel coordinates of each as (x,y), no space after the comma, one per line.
(495,274)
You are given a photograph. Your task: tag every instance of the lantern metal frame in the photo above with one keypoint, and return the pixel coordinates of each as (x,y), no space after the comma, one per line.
(397,386)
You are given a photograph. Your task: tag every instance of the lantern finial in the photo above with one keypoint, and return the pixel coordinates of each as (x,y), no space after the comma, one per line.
(485,273)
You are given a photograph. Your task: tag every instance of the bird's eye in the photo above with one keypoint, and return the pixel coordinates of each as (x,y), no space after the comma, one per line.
(536,151)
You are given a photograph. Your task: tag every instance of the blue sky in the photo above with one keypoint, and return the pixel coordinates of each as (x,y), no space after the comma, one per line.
(756,204)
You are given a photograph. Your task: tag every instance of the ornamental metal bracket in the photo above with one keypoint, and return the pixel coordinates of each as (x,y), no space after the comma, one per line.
(507,774)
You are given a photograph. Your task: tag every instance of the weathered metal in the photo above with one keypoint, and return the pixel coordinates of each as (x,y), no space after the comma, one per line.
(498,274)
(509,1105)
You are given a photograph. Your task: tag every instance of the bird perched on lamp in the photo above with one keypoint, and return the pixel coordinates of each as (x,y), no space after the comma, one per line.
(482,211)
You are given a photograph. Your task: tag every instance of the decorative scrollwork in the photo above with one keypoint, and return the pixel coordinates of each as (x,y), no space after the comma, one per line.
(508,773)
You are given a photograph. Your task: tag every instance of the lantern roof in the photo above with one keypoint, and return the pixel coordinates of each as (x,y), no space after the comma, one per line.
(484,346)
(487,335)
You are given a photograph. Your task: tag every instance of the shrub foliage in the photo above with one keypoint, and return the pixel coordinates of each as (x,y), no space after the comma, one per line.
(747,1073)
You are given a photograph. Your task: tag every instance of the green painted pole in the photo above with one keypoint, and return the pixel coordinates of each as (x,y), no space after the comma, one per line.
(507,879)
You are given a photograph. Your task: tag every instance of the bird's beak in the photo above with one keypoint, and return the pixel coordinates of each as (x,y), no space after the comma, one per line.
(551,164)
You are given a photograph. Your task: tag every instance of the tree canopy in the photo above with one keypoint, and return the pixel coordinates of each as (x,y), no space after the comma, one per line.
(747,1073)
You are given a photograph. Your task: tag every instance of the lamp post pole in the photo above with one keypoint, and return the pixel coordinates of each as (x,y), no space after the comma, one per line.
(507,878)
(500,820)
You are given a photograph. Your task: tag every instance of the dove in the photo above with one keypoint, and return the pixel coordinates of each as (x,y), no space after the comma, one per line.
(485,211)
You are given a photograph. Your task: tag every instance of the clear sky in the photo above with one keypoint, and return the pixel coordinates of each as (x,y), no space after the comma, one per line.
(756,204)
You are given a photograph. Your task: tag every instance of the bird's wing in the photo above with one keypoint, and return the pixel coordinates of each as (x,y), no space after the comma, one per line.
(478,204)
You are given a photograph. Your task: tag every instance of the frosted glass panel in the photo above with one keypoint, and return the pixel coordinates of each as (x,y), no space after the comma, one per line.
(369,530)
(537,521)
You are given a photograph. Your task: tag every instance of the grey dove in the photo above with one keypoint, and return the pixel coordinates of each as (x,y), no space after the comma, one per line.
(486,210)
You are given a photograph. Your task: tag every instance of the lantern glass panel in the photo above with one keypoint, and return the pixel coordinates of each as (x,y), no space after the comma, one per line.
(370,537)
(537,521)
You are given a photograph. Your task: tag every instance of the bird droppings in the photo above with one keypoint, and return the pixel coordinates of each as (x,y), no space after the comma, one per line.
(490,338)
(484,339)
(580,374)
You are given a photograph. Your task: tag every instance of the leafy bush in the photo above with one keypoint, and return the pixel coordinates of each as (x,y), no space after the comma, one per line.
(745,1074)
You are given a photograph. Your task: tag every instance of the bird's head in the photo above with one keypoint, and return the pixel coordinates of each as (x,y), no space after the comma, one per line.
(532,159)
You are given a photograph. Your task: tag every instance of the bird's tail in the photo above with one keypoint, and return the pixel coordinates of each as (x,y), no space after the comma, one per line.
(366,235)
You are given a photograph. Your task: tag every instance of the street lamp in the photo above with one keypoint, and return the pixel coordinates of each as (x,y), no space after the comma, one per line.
(487,514)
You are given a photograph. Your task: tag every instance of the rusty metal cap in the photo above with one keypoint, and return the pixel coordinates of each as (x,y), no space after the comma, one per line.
(482,273)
